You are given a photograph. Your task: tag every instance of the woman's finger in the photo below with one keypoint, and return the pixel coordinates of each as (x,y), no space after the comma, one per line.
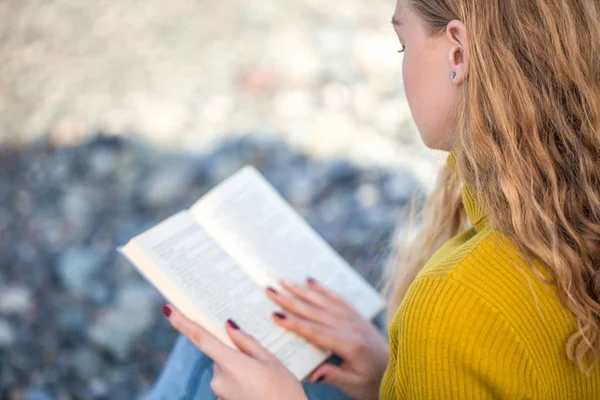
(204,340)
(332,374)
(222,384)
(313,291)
(317,334)
(246,343)
(307,294)
(219,386)
(292,304)
(334,296)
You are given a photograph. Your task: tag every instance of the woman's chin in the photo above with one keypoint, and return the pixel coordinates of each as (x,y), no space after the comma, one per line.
(429,142)
(435,143)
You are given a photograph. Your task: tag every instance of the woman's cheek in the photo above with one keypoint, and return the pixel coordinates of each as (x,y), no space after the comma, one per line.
(408,81)
(411,88)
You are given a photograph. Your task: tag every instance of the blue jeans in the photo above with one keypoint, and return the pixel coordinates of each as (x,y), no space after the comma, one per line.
(188,372)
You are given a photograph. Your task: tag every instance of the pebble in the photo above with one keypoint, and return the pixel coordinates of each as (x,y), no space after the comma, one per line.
(77,266)
(86,363)
(162,188)
(399,187)
(342,171)
(98,387)
(72,318)
(7,335)
(115,331)
(38,394)
(367,195)
(102,162)
(15,300)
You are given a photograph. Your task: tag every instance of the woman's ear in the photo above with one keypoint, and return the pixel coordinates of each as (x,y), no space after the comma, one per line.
(458,56)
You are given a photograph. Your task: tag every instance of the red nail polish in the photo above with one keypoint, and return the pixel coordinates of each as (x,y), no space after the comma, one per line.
(270,289)
(311,280)
(280,315)
(232,324)
(166,310)
(319,379)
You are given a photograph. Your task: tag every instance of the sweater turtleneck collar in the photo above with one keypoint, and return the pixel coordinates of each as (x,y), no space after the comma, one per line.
(475,210)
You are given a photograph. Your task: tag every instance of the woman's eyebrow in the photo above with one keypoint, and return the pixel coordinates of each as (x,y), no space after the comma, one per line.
(395,21)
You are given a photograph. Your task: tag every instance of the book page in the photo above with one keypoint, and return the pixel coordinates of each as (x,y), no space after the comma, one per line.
(257,226)
(202,273)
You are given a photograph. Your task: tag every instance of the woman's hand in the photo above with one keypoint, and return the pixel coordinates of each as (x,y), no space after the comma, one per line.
(325,319)
(248,374)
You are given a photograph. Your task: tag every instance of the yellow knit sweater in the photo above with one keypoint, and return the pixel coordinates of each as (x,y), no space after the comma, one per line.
(469,326)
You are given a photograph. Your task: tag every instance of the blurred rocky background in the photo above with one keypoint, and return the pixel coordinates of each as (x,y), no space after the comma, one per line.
(114,114)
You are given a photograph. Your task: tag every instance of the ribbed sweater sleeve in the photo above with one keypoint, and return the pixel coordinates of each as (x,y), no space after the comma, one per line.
(453,344)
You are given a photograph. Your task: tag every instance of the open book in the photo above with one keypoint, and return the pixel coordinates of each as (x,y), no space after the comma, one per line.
(214,260)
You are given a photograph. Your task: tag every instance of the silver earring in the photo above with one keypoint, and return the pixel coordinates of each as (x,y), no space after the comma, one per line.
(453,75)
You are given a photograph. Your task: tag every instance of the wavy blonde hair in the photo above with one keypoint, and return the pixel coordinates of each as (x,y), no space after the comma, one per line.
(528,141)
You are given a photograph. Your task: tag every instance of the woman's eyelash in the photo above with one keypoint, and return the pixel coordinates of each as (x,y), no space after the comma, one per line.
(402,50)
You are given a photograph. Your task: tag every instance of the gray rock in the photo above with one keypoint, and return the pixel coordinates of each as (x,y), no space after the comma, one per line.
(102,162)
(342,171)
(166,184)
(77,266)
(15,300)
(378,217)
(73,318)
(302,189)
(222,167)
(123,270)
(8,377)
(114,332)
(79,203)
(138,297)
(86,363)
(357,236)
(144,394)
(98,387)
(98,291)
(37,394)
(116,329)
(5,216)
(331,210)
(367,195)
(7,334)
(399,187)
(60,169)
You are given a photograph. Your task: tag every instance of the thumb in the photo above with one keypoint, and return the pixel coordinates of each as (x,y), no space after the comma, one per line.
(331,373)
(246,343)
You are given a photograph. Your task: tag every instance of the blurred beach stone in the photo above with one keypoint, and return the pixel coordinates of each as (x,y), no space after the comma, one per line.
(38,394)
(116,329)
(115,332)
(367,195)
(73,318)
(77,266)
(98,388)
(7,334)
(399,187)
(168,183)
(15,300)
(86,363)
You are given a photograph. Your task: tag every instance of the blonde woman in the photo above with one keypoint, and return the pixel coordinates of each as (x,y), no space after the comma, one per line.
(498,296)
